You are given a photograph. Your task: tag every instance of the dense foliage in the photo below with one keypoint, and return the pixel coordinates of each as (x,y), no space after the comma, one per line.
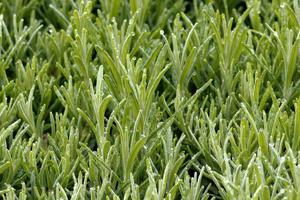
(149,99)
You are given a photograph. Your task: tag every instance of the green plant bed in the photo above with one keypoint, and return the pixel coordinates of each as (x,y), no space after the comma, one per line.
(141,99)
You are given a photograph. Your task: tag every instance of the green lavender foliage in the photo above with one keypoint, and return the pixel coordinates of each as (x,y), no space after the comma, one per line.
(141,99)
